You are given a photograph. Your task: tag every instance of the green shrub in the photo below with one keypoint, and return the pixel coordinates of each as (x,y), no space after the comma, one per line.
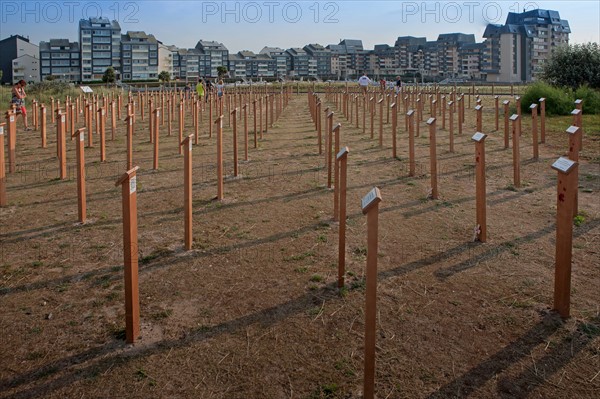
(558,101)
(591,99)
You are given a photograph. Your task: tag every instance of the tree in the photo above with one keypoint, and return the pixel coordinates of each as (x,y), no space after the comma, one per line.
(573,66)
(221,71)
(109,75)
(164,76)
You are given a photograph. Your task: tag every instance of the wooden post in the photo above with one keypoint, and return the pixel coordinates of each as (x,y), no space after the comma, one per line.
(394,129)
(542,102)
(233,116)
(451,123)
(219,123)
(129,122)
(154,116)
(516,156)
(518,105)
(79,135)
(318,120)
(433,158)
(90,125)
(11,123)
(534,135)
(3,200)
(245,108)
(380,122)
(574,132)
(506,118)
(370,207)
(497,107)
(364,121)
(342,159)
(566,187)
(128,182)
(579,116)
(461,113)
(443,104)
(372,104)
(43,125)
(577,121)
(255,125)
(102,134)
(328,146)
(187,190)
(411,141)
(62,144)
(480,200)
(336,198)
(479,124)
(113,120)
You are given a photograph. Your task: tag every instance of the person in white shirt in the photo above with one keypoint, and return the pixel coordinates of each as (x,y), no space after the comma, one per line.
(364,82)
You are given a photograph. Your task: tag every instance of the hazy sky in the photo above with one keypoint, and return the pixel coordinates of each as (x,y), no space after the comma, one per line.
(250,25)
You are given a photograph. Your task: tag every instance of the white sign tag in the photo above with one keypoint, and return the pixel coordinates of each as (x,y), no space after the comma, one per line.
(478,137)
(563,164)
(1,130)
(190,145)
(12,119)
(132,185)
(82,137)
(62,119)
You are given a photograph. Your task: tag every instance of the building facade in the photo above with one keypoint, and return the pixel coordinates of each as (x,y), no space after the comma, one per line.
(60,59)
(516,51)
(139,57)
(27,68)
(11,48)
(100,41)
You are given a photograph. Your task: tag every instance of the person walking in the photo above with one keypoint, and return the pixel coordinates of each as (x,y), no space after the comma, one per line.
(200,90)
(398,84)
(18,100)
(364,82)
(220,93)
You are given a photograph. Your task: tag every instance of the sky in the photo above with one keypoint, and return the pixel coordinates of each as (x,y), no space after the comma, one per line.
(250,25)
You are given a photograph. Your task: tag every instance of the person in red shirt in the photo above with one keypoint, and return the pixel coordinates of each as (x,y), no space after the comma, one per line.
(18,100)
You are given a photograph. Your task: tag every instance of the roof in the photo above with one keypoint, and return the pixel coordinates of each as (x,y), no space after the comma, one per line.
(69,46)
(210,45)
(87,23)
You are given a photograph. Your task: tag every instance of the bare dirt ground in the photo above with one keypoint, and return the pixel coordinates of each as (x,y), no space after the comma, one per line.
(253,310)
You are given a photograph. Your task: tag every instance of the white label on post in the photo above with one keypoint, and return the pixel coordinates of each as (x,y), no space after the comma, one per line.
(572,129)
(157,113)
(132,184)
(62,119)
(372,197)
(12,119)
(190,145)
(82,137)
(478,137)
(1,130)
(563,164)
(342,152)
(130,122)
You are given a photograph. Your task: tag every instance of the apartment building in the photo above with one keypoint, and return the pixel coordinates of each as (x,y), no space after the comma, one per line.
(280,57)
(215,55)
(100,41)
(61,59)
(13,47)
(26,67)
(322,56)
(516,50)
(139,56)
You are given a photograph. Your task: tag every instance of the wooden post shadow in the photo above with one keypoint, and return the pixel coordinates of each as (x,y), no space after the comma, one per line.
(128,182)
(480,189)
(342,158)
(79,135)
(566,187)
(451,126)
(155,114)
(370,207)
